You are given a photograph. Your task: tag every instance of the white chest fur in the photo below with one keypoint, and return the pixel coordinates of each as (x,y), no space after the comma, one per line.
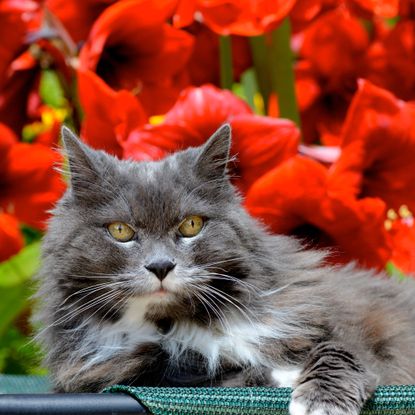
(239,342)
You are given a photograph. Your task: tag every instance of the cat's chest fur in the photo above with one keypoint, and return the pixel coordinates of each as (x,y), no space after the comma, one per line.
(235,343)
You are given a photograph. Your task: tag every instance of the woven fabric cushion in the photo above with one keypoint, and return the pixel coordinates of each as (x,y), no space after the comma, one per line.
(387,400)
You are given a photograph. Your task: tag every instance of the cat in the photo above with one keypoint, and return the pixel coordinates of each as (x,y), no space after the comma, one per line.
(154,274)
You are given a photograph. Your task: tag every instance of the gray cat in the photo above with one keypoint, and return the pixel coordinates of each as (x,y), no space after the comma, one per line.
(154,274)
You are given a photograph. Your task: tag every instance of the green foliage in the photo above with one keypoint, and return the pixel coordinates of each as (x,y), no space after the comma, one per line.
(248,90)
(50,89)
(30,234)
(393,271)
(17,355)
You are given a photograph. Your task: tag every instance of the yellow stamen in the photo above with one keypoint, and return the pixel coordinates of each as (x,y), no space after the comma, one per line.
(259,103)
(391,214)
(404,212)
(156,119)
(388,224)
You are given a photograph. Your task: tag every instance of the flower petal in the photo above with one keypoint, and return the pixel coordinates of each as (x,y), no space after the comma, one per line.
(31,185)
(378,145)
(11,239)
(108,114)
(293,199)
(204,109)
(260,144)
(131,47)
(243,17)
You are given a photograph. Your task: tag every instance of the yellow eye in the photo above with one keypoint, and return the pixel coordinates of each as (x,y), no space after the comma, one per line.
(121,231)
(191,226)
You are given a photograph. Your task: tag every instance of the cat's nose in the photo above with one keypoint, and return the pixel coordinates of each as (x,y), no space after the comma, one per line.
(160,268)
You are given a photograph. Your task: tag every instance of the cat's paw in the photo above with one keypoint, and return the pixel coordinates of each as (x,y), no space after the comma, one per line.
(299,406)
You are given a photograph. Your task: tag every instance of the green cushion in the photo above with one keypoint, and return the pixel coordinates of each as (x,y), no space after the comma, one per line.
(387,400)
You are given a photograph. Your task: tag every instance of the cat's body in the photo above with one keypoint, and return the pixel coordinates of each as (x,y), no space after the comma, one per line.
(238,307)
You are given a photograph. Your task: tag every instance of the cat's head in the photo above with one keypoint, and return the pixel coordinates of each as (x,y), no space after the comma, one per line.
(169,233)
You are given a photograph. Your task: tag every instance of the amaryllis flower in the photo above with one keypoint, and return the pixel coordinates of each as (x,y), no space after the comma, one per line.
(78,16)
(131,47)
(12,31)
(238,17)
(406,9)
(260,143)
(11,239)
(20,89)
(305,11)
(332,49)
(374,8)
(204,61)
(378,149)
(293,199)
(107,113)
(390,57)
(29,184)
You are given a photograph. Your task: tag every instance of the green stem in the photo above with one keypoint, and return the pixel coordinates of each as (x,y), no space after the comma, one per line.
(281,71)
(260,59)
(226,70)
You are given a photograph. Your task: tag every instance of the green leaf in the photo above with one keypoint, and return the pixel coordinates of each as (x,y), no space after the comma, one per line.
(19,354)
(13,301)
(21,267)
(260,56)
(251,90)
(50,89)
(225,60)
(15,283)
(393,271)
(281,61)
(30,234)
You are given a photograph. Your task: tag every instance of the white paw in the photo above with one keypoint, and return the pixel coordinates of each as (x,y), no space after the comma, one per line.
(297,407)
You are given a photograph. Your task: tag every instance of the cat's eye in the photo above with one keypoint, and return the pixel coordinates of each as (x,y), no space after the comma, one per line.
(191,226)
(121,231)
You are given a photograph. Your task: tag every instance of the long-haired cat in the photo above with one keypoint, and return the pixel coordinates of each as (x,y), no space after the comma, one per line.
(154,274)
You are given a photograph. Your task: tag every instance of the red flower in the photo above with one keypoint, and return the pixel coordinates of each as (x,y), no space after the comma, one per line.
(305,11)
(20,89)
(332,48)
(238,17)
(12,32)
(378,149)
(204,62)
(107,113)
(392,56)
(293,199)
(260,143)
(370,8)
(11,239)
(13,29)
(29,184)
(78,16)
(131,47)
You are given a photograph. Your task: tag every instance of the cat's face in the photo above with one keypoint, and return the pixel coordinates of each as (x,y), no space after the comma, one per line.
(171,234)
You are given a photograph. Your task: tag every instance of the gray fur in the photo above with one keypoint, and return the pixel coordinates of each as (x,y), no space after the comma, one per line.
(245,302)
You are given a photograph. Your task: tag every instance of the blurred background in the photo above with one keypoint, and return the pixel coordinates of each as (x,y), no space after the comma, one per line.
(318,92)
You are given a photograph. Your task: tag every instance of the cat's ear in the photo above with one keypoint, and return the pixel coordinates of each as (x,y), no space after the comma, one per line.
(83,169)
(214,154)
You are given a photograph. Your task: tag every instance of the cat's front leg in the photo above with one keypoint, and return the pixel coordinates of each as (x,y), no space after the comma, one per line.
(333,382)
